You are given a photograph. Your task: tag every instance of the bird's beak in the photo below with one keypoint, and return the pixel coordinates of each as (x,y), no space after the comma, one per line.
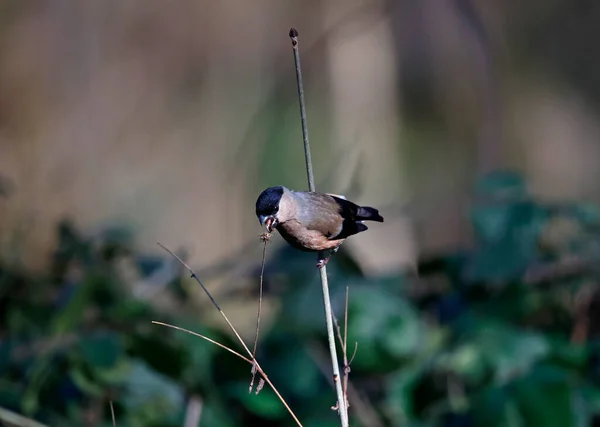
(262,219)
(268,221)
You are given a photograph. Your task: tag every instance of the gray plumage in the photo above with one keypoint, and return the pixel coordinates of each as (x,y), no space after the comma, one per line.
(312,221)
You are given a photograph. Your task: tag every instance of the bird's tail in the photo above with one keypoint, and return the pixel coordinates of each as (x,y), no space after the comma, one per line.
(366,213)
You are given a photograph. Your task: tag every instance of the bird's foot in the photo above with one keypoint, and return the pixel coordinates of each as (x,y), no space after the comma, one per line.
(323,262)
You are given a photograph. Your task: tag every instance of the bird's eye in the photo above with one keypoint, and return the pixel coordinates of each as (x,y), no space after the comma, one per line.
(276,209)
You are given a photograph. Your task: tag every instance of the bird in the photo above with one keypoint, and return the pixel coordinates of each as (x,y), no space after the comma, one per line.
(311,221)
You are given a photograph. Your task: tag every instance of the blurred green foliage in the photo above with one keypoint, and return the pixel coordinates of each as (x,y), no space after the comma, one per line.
(504,334)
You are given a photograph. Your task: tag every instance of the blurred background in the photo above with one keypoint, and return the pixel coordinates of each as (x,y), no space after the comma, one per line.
(472,125)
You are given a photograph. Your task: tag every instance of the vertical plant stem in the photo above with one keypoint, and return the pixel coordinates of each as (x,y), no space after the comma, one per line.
(309,168)
(112,413)
(341,403)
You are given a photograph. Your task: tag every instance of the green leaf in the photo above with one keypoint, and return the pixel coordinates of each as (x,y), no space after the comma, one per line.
(198,365)
(321,420)
(590,393)
(385,326)
(264,404)
(545,398)
(467,360)
(291,360)
(494,407)
(115,374)
(7,346)
(145,386)
(216,414)
(38,375)
(404,335)
(508,240)
(129,311)
(569,355)
(159,350)
(70,316)
(400,393)
(86,384)
(491,223)
(513,353)
(509,351)
(11,394)
(102,349)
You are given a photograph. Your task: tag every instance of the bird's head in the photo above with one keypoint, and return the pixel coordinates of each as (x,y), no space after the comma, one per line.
(267,207)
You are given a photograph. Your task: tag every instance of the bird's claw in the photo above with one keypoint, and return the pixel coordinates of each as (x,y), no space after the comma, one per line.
(323,262)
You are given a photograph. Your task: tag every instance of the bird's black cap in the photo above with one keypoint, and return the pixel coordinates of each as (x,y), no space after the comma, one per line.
(268,201)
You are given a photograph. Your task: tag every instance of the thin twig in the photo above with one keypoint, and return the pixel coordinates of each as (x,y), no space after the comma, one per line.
(353,353)
(342,409)
(252,360)
(260,298)
(112,413)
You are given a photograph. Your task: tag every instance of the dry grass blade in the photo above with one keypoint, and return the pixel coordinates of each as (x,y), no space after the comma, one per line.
(252,360)
(224,347)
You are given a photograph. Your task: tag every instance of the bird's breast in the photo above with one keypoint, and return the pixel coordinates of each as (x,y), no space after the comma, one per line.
(300,237)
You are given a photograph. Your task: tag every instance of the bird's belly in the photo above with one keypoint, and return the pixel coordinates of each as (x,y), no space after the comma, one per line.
(304,239)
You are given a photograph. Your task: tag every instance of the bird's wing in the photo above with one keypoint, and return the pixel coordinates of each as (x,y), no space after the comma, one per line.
(332,216)
(349,212)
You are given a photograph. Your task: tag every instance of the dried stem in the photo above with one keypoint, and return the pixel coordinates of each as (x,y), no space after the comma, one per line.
(342,409)
(252,360)
(260,298)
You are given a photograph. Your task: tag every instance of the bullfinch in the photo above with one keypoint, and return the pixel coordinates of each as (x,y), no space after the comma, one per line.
(312,221)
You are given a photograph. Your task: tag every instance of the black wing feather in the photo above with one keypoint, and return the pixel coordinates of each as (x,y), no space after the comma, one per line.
(353,215)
